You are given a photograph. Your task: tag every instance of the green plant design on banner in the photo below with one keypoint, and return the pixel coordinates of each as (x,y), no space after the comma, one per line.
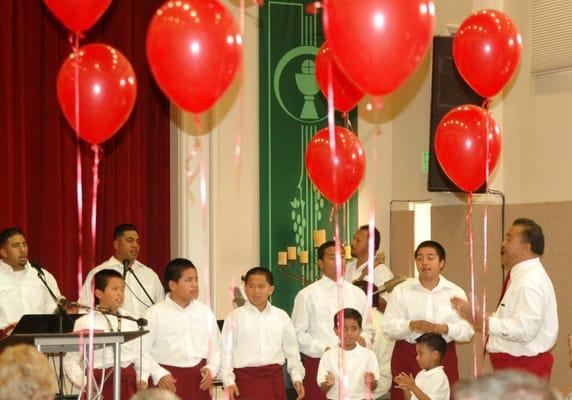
(292,109)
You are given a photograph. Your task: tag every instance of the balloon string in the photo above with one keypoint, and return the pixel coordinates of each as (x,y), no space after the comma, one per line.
(97,154)
(485,232)
(340,294)
(472,268)
(74,41)
(487,103)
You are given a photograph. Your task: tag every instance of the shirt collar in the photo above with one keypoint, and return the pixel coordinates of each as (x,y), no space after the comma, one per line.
(327,282)
(8,269)
(433,370)
(523,266)
(443,283)
(251,307)
(115,261)
(170,301)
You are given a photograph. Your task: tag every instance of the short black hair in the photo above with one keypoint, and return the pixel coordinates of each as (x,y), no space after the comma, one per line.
(8,233)
(532,233)
(122,228)
(439,249)
(376,236)
(323,247)
(434,342)
(174,270)
(349,313)
(101,279)
(260,271)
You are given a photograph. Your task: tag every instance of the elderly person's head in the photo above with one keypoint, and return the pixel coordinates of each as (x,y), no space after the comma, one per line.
(25,374)
(155,394)
(507,384)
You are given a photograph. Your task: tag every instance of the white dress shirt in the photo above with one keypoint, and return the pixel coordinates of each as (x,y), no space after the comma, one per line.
(182,337)
(434,383)
(253,338)
(383,349)
(357,362)
(130,351)
(314,310)
(136,301)
(23,292)
(526,321)
(381,273)
(410,301)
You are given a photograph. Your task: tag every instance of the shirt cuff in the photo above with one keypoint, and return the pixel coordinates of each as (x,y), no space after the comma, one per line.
(158,373)
(494,326)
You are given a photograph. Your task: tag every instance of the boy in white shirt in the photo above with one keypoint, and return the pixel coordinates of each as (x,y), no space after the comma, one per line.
(430,383)
(183,335)
(109,296)
(258,338)
(360,367)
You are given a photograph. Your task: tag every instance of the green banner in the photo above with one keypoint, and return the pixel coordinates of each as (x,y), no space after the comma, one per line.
(292,110)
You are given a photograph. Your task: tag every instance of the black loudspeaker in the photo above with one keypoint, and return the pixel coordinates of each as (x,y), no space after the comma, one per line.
(448,90)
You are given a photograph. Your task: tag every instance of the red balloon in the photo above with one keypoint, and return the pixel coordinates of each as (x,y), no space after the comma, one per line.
(346,94)
(486,50)
(194,50)
(78,15)
(379,43)
(461,146)
(107,90)
(336,174)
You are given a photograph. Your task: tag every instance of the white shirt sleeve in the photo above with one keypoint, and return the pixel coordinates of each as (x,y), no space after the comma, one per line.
(395,322)
(436,387)
(214,354)
(291,351)
(301,320)
(526,319)
(323,367)
(461,330)
(151,367)
(228,342)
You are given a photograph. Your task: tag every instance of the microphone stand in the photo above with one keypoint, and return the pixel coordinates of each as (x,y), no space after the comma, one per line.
(141,322)
(61,312)
(127,268)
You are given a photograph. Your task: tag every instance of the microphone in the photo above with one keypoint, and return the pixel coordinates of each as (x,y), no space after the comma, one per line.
(125,268)
(37,267)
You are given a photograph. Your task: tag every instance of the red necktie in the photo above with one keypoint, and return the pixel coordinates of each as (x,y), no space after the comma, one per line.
(503,291)
(504,287)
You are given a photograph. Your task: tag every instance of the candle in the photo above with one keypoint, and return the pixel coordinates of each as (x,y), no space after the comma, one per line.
(319,237)
(303,257)
(348,252)
(282,258)
(291,253)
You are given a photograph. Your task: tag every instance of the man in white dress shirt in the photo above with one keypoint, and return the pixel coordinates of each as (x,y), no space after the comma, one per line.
(524,327)
(356,270)
(21,290)
(313,315)
(423,305)
(126,249)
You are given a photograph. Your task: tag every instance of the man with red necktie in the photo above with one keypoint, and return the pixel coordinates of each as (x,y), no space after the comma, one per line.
(524,327)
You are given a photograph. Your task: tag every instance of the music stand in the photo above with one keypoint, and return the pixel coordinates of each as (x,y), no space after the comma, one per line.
(45,323)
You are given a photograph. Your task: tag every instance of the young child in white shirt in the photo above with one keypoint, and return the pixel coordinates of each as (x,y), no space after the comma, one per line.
(257,339)
(183,338)
(359,367)
(431,383)
(109,295)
